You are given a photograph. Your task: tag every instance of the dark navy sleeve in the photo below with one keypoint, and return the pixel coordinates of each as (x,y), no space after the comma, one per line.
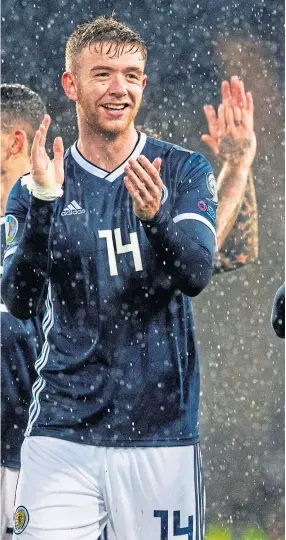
(185,241)
(27,257)
(278,312)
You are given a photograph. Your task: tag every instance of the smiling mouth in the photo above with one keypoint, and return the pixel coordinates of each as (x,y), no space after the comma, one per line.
(114,107)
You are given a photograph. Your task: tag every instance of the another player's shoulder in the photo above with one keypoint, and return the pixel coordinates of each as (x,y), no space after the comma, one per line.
(19,198)
(179,156)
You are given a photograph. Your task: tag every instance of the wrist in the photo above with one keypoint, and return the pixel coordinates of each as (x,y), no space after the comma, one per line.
(157,218)
(238,166)
(43,193)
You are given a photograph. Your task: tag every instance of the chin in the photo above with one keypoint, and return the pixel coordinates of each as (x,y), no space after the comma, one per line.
(115,128)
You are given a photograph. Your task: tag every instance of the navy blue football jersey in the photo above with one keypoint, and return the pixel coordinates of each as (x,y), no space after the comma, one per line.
(20,344)
(119,365)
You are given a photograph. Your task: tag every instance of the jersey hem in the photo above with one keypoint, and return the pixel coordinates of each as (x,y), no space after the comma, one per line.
(37,432)
(8,464)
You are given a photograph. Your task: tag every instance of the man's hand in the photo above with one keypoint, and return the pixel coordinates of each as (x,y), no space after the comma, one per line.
(144,184)
(46,173)
(231,135)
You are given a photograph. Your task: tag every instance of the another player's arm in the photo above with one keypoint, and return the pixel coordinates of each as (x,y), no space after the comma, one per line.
(184,247)
(232,185)
(28,257)
(232,139)
(241,245)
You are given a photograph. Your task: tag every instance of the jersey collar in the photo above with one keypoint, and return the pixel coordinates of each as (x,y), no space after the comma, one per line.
(113,175)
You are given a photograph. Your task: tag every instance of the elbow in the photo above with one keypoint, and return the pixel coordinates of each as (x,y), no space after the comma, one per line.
(19,308)
(197,281)
(20,311)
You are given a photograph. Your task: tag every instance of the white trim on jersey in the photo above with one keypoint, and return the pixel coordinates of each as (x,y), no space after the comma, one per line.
(9,252)
(40,383)
(3,220)
(198,217)
(3,308)
(100,173)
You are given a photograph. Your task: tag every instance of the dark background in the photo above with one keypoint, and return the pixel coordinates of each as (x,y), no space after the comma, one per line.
(192,46)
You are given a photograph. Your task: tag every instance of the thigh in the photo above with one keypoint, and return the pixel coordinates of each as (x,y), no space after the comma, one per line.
(58,493)
(156,493)
(9,479)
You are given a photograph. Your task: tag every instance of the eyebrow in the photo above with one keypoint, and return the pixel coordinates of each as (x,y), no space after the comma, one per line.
(108,68)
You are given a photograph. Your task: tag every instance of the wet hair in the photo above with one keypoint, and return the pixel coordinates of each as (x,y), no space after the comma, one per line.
(21,107)
(98,32)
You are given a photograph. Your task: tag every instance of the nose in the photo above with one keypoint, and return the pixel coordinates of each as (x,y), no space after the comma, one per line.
(117,86)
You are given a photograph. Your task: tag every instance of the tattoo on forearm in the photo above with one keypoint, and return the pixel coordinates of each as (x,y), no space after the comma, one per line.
(230,149)
(241,244)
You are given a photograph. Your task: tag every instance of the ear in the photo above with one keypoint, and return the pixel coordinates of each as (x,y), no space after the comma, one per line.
(69,86)
(144,81)
(17,141)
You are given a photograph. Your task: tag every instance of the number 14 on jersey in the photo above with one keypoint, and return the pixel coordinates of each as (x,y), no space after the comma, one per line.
(115,247)
(177,529)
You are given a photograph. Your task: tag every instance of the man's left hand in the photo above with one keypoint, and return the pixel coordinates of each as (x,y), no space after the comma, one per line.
(144,184)
(231,133)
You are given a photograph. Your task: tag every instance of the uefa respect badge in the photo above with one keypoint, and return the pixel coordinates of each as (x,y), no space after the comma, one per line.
(11,228)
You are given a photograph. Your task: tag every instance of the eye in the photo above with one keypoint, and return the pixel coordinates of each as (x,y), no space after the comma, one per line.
(102,74)
(133,76)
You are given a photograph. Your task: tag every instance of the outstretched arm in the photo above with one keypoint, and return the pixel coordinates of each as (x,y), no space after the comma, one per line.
(232,139)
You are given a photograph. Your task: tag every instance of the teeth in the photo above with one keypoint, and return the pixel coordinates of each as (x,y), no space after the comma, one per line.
(115,107)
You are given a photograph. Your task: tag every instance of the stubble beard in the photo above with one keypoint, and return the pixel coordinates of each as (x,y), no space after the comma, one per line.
(96,126)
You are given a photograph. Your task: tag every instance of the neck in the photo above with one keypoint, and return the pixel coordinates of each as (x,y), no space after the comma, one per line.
(9,178)
(107,151)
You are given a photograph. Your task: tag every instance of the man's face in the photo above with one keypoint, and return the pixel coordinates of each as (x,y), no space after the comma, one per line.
(109,89)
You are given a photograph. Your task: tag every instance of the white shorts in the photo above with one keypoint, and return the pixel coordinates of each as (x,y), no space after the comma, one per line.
(68,491)
(9,479)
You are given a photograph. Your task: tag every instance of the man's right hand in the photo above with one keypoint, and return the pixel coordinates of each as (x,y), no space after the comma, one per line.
(46,173)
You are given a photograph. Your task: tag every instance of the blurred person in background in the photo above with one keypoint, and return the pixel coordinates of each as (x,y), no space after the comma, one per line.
(22,110)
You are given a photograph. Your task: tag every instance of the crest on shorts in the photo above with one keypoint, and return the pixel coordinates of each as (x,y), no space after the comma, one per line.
(211,185)
(21,519)
(11,228)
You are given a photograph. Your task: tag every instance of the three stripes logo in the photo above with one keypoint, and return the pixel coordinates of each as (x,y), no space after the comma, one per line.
(72,209)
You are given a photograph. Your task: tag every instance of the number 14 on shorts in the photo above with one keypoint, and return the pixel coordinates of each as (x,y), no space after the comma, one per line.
(177,529)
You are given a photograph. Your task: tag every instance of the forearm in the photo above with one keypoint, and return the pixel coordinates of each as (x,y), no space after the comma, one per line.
(231,184)
(187,263)
(250,233)
(26,270)
(241,245)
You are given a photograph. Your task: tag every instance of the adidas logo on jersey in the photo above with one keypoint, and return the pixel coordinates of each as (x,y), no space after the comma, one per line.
(72,208)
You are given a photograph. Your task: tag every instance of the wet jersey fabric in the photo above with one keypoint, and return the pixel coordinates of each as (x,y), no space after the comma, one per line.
(119,365)
(20,344)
